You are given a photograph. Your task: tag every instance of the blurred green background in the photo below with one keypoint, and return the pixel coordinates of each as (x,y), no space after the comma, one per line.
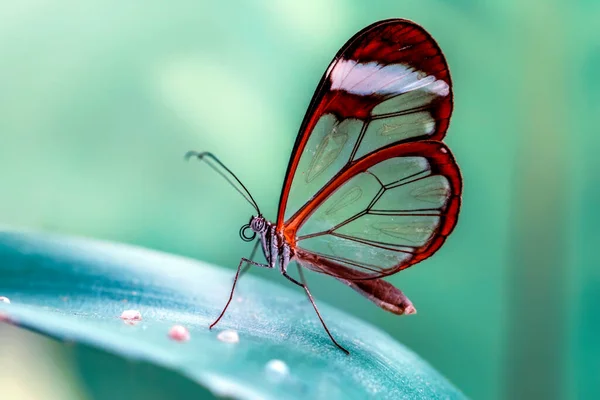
(99,100)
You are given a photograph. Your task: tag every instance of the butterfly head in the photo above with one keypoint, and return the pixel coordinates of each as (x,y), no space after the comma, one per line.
(258,224)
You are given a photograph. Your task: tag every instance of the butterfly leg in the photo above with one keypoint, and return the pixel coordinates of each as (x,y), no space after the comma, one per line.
(237,275)
(312,301)
(247,266)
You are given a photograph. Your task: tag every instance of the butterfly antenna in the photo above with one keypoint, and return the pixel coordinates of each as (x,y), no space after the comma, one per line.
(206,157)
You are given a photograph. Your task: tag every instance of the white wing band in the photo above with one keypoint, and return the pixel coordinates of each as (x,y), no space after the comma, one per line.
(373,78)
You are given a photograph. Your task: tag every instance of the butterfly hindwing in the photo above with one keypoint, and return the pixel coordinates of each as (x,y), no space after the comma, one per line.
(388,211)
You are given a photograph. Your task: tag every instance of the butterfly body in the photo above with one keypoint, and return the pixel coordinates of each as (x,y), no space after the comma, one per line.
(273,243)
(370,188)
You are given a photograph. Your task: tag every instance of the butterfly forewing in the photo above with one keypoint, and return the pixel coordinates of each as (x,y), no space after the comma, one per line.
(368,186)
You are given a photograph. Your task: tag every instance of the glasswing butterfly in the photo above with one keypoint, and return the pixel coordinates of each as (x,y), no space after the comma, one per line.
(370,189)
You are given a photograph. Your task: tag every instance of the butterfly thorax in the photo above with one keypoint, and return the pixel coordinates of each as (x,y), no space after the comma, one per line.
(274,246)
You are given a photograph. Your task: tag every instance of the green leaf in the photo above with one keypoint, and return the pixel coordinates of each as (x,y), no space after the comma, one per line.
(76,289)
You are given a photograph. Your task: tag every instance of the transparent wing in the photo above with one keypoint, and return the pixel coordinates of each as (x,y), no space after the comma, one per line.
(391,210)
(389,84)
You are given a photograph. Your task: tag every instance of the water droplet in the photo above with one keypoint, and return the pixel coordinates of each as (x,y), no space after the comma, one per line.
(131,317)
(228,336)
(4,300)
(276,370)
(239,299)
(179,333)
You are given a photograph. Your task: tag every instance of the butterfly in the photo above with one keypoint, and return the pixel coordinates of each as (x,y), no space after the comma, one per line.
(370,188)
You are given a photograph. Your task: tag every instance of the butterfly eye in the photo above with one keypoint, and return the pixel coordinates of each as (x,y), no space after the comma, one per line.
(257,224)
(245,235)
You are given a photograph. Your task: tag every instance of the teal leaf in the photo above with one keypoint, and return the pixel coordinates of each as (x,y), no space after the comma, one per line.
(75,290)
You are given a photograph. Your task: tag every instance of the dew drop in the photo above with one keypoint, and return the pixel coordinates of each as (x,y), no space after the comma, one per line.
(131,317)
(276,370)
(4,300)
(179,333)
(228,336)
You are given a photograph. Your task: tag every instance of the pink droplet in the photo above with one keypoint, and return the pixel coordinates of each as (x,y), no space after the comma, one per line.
(5,318)
(4,300)
(131,316)
(179,333)
(228,336)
